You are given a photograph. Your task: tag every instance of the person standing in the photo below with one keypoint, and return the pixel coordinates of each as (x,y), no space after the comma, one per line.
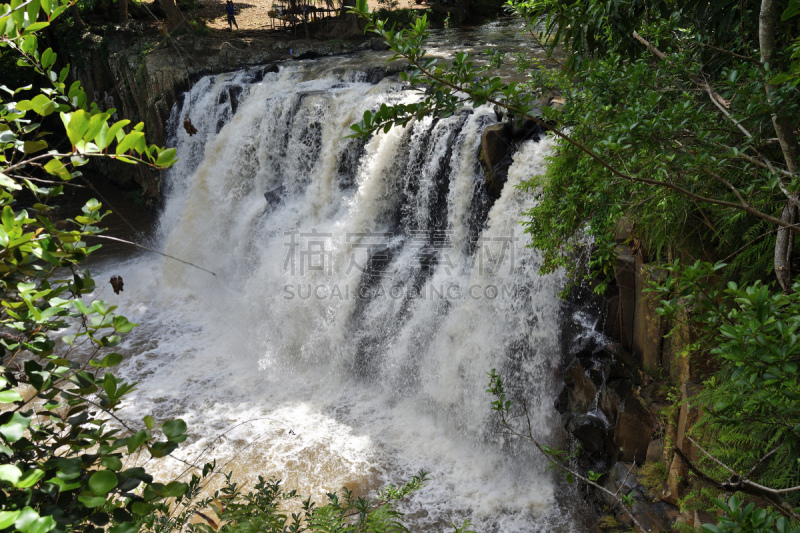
(231,18)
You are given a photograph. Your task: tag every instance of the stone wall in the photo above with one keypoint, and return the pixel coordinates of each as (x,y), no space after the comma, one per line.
(626,390)
(141,74)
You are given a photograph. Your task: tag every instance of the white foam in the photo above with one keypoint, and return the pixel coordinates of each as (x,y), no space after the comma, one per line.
(231,349)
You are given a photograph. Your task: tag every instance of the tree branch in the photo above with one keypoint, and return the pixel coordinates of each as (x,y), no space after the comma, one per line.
(737,483)
(559,133)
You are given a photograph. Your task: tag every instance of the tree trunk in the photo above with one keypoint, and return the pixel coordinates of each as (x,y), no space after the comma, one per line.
(174,15)
(123,11)
(788,142)
(351,18)
(76,15)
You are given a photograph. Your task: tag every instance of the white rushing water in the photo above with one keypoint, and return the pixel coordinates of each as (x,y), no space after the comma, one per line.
(347,332)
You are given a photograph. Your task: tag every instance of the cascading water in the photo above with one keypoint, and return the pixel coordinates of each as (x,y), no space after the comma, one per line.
(359,306)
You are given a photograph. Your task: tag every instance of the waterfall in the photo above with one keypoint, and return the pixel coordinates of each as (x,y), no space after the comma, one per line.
(362,290)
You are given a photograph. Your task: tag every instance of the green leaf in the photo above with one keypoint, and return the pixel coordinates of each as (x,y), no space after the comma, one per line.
(174,489)
(166,157)
(112,462)
(142,508)
(8,183)
(96,124)
(29,521)
(43,105)
(137,439)
(129,142)
(48,58)
(102,482)
(56,167)
(14,429)
(115,131)
(10,474)
(149,422)
(30,478)
(91,501)
(62,485)
(124,527)
(8,517)
(792,11)
(9,396)
(122,325)
(31,147)
(174,429)
(77,126)
(112,359)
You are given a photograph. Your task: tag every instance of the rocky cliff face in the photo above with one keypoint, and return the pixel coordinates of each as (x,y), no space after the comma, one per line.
(627,390)
(141,74)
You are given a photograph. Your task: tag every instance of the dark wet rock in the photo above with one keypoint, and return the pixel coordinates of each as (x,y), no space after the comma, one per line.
(621,364)
(582,391)
(633,430)
(653,515)
(379,45)
(375,75)
(524,129)
(234,93)
(495,144)
(593,433)
(275,196)
(655,451)
(612,396)
(625,274)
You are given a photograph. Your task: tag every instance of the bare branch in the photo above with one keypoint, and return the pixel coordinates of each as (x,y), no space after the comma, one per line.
(656,51)
(738,483)
(106,237)
(738,56)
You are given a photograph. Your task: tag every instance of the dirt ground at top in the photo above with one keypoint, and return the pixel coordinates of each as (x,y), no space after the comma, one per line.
(254,14)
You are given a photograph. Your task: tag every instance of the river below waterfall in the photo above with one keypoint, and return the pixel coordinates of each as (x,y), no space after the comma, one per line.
(354,311)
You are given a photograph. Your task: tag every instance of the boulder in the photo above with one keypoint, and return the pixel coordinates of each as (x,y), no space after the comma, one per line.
(524,129)
(622,475)
(375,75)
(612,396)
(594,435)
(378,45)
(633,430)
(258,74)
(495,145)
(582,391)
(496,150)
(655,451)
(648,330)
(654,516)
(609,325)
(676,480)
(625,274)
(620,364)
(624,230)
(275,196)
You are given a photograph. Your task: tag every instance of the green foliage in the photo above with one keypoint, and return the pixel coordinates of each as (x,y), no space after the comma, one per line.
(399,18)
(748,519)
(653,476)
(230,509)
(752,405)
(61,464)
